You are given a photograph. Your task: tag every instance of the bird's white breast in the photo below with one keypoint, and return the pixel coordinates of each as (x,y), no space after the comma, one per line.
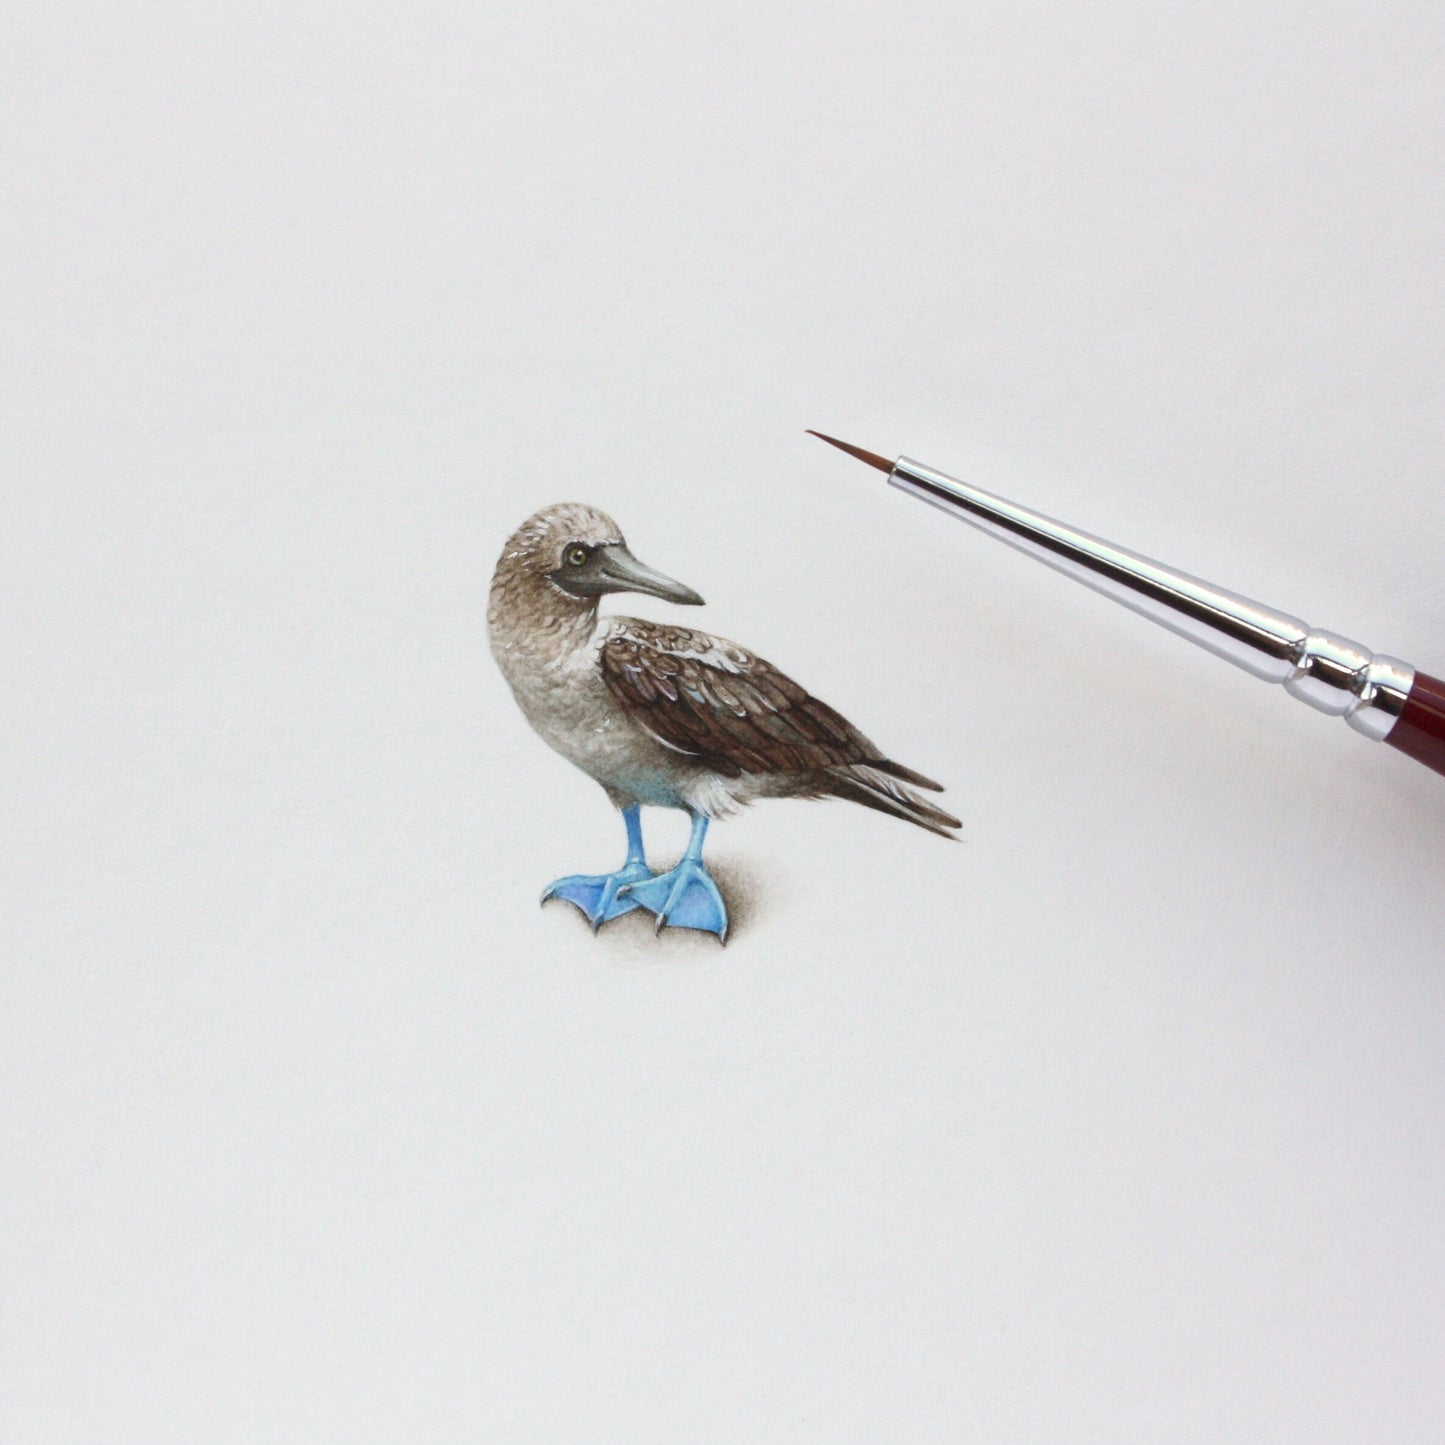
(566,701)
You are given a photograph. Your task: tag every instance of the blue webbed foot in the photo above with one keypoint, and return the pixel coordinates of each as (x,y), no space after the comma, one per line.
(683,897)
(600,895)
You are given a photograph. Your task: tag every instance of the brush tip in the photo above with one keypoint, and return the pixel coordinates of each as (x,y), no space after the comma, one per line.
(872,458)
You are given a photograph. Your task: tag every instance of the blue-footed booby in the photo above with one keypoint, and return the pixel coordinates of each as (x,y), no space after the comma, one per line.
(665,716)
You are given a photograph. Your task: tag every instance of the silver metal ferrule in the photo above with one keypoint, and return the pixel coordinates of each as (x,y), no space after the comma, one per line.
(1330,673)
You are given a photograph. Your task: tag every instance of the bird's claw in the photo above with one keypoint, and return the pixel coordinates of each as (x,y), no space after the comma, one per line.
(683,897)
(601,896)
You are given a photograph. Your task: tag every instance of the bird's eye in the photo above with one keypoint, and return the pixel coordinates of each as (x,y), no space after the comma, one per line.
(576,556)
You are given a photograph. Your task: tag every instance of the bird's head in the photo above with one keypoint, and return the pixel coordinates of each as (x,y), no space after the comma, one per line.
(580,552)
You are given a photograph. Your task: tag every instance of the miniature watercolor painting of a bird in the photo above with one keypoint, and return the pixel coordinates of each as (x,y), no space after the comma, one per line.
(665,716)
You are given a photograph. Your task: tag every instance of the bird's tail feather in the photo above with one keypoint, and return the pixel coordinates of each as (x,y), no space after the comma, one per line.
(868,785)
(907,775)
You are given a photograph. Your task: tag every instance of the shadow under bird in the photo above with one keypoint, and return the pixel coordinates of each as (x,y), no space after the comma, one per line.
(665,716)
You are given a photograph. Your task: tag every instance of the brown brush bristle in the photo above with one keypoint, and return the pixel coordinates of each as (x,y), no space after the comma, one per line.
(872,458)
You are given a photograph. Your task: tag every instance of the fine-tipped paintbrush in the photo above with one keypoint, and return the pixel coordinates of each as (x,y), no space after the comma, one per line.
(1381,697)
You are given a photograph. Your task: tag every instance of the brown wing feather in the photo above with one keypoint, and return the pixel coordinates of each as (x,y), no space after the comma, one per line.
(725,706)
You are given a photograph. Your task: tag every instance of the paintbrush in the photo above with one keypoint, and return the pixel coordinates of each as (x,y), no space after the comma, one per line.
(1381,697)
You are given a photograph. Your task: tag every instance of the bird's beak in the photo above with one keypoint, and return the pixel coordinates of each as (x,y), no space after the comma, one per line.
(617,570)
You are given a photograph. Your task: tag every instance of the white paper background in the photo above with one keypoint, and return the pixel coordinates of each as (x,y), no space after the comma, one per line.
(1120,1122)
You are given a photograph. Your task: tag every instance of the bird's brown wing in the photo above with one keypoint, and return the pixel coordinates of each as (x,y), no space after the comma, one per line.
(715,701)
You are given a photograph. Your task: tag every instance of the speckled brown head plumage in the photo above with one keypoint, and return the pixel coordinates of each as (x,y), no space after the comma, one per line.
(554,568)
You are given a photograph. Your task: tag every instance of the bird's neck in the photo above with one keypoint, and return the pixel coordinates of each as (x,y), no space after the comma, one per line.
(530,619)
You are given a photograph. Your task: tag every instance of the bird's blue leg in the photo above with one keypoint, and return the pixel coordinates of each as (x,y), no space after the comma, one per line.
(602,895)
(685,896)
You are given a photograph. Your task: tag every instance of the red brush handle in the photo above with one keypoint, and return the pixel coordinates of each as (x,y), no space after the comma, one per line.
(1419,731)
